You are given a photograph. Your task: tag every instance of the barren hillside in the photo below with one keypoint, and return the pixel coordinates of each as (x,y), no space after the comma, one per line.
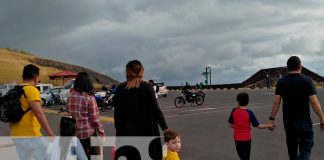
(12,62)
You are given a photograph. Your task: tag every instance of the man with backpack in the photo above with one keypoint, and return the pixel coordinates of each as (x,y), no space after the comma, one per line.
(27,131)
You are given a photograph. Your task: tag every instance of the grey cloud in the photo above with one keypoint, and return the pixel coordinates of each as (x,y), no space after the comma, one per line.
(174,39)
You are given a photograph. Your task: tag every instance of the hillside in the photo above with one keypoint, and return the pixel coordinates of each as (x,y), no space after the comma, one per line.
(13,61)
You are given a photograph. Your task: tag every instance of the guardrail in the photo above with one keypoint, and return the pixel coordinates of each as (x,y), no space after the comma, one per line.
(218,86)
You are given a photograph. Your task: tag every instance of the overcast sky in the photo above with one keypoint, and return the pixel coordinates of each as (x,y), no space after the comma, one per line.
(174,39)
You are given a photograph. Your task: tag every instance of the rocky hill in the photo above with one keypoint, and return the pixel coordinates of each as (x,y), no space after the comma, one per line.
(12,62)
(96,77)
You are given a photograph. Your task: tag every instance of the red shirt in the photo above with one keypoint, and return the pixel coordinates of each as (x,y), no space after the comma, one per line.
(83,108)
(241,119)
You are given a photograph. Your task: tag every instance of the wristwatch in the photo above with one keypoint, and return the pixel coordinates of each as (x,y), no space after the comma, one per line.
(271,118)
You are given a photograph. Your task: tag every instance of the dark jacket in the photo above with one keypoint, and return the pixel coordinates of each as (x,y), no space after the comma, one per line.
(137,113)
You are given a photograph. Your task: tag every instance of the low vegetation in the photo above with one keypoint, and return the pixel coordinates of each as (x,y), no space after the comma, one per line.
(13,60)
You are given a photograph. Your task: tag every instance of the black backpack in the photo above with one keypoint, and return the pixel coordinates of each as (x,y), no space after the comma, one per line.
(10,108)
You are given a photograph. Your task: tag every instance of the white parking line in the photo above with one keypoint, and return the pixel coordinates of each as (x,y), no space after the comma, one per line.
(169,108)
(186,114)
(268,93)
(200,109)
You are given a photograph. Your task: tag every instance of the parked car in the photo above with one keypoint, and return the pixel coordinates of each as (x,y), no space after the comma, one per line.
(5,88)
(163,90)
(58,92)
(69,86)
(100,93)
(43,87)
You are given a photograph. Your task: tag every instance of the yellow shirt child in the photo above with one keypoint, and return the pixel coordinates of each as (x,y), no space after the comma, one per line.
(173,142)
(171,156)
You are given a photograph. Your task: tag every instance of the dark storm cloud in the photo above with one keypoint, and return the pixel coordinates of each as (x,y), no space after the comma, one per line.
(175,39)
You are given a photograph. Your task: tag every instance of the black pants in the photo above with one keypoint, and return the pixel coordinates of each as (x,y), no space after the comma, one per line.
(243,149)
(299,135)
(88,149)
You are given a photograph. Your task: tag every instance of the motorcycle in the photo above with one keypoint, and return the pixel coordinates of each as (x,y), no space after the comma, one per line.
(189,97)
(99,100)
(201,93)
(53,100)
(107,101)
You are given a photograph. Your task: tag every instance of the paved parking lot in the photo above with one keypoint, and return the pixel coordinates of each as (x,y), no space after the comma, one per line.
(205,132)
(206,135)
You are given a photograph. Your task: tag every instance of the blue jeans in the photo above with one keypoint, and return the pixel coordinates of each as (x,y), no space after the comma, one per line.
(28,148)
(299,135)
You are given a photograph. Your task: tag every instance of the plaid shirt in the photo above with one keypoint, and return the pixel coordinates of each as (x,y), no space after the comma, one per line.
(83,108)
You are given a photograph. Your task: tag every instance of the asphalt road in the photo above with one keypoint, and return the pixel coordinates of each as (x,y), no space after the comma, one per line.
(206,135)
(204,129)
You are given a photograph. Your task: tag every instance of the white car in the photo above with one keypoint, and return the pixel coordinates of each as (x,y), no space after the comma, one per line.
(5,88)
(69,87)
(60,91)
(43,87)
(163,90)
(100,93)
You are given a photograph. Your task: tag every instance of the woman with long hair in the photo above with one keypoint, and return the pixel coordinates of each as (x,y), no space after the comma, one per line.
(137,112)
(82,106)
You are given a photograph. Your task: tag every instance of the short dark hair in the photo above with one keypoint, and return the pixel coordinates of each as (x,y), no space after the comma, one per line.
(151,81)
(169,135)
(67,131)
(67,126)
(30,71)
(293,63)
(243,99)
(83,83)
(104,88)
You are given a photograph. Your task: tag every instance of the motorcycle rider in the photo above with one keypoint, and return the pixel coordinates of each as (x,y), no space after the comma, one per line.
(107,100)
(154,87)
(187,93)
(112,91)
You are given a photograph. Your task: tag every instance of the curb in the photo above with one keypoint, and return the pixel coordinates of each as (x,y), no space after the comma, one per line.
(104,119)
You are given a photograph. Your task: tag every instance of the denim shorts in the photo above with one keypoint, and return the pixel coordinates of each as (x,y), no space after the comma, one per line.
(28,148)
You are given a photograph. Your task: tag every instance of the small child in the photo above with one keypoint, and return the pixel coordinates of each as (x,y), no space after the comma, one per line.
(173,142)
(67,145)
(240,120)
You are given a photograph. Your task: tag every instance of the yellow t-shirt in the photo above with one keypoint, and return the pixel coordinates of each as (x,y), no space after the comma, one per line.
(28,125)
(171,156)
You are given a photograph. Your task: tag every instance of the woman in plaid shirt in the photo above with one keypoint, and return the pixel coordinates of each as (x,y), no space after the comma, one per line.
(82,106)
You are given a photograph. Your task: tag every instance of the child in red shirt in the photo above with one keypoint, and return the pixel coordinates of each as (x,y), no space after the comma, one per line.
(240,119)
